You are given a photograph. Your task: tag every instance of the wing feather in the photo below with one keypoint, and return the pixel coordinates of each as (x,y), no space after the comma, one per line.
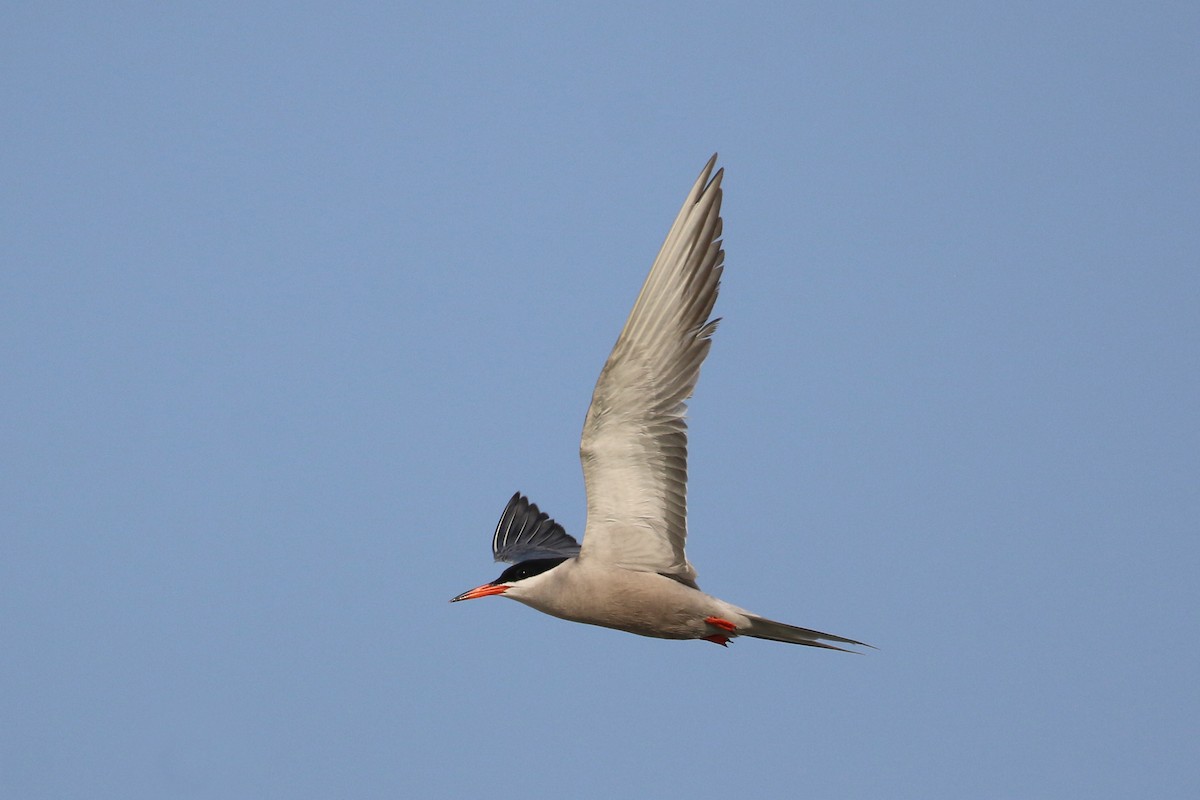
(525,533)
(634,444)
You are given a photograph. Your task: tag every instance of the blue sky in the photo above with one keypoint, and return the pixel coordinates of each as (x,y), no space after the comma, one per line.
(293,297)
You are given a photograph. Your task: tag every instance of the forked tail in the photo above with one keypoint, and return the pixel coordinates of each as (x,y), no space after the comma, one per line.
(761,628)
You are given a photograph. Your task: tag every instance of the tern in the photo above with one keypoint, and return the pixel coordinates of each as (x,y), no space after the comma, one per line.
(631,572)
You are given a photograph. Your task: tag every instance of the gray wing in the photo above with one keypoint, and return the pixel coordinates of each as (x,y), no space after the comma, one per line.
(524,532)
(634,446)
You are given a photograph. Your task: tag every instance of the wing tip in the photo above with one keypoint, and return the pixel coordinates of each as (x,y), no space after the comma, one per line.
(708,180)
(525,531)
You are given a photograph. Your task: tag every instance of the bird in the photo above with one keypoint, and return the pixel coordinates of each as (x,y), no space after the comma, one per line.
(631,572)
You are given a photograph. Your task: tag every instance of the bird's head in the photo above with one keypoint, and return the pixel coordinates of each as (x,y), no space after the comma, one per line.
(514,581)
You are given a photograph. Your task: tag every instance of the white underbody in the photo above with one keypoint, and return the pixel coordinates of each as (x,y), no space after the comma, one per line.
(645,603)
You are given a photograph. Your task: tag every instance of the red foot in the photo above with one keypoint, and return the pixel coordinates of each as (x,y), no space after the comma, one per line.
(719,638)
(723,624)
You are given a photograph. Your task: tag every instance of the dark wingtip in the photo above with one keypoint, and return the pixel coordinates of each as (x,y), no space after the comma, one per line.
(526,532)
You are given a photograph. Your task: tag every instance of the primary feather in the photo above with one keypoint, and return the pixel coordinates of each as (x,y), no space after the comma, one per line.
(634,444)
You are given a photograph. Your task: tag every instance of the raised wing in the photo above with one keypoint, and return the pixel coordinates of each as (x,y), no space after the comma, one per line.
(634,447)
(524,533)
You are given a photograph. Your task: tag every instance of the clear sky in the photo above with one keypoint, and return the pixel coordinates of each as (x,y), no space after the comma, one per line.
(293,296)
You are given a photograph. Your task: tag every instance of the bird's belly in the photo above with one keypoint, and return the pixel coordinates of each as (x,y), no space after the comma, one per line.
(643,603)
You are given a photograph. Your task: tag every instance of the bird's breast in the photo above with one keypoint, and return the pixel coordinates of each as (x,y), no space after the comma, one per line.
(644,603)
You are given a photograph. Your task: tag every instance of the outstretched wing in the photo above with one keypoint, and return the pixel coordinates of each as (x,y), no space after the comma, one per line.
(525,533)
(634,446)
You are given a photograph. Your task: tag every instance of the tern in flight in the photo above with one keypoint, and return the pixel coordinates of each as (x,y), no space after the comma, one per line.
(631,572)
